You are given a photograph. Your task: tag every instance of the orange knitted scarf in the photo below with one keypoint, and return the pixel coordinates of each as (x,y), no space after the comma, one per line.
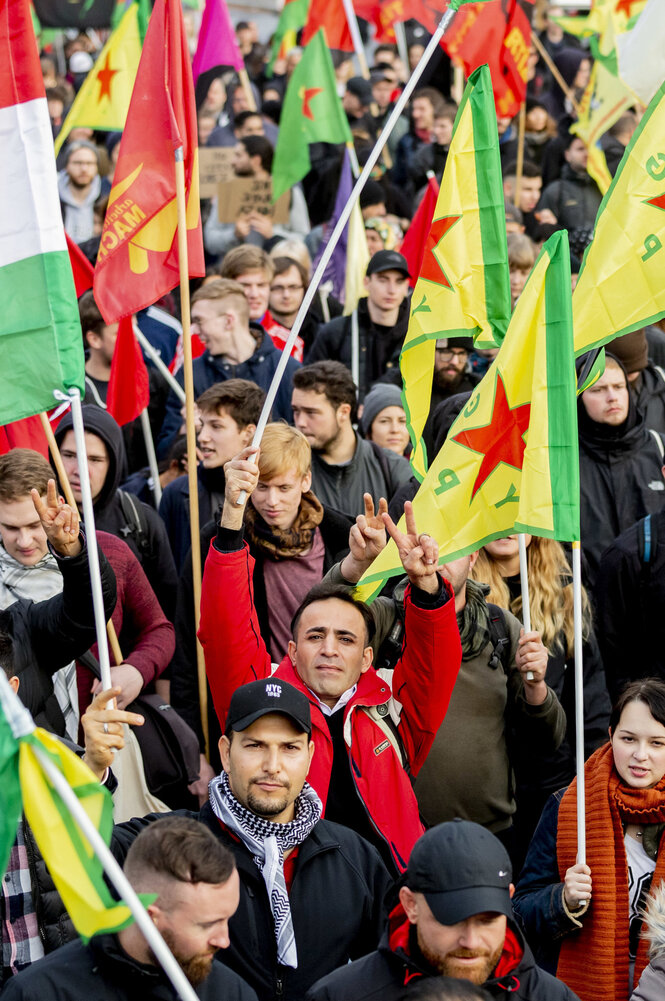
(594,960)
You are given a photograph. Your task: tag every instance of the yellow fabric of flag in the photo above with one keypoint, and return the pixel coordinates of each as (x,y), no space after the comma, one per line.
(510,461)
(604,101)
(463,289)
(620,287)
(76,871)
(103,100)
(357,259)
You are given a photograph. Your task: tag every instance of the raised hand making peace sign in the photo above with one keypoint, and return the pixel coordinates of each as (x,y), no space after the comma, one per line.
(419,553)
(59,521)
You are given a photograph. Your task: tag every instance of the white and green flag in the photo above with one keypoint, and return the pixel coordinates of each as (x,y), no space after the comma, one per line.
(41,347)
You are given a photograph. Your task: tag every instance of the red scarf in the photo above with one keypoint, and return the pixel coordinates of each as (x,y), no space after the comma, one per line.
(594,960)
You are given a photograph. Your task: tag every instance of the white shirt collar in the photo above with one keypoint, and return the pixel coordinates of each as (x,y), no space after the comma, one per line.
(341,702)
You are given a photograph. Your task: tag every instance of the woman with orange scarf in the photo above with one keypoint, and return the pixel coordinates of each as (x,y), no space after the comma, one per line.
(584,921)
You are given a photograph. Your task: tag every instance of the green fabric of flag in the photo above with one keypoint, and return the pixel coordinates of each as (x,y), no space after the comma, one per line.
(291,20)
(10,791)
(312,113)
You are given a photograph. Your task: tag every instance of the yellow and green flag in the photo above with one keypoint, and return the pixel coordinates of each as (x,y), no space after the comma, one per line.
(621,286)
(103,100)
(510,462)
(76,871)
(463,289)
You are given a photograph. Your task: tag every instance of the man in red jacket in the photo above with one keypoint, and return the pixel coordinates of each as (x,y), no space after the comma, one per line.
(370,732)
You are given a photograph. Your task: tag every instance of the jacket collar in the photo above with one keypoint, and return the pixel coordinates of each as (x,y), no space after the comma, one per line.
(371,690)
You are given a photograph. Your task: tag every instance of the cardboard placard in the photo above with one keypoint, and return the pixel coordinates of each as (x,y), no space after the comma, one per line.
(250,194)
(215,166)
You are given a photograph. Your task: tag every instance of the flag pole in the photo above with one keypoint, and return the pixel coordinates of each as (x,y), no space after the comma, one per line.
(524,587)
(519,169)
(74,397)
(152,458)
(579,703)
(155,357)
(69,497)
(247,87)
(358,46)
(345,214)
(188,374)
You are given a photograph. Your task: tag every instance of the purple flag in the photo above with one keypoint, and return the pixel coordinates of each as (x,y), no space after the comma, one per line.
(217,44)
(336,269)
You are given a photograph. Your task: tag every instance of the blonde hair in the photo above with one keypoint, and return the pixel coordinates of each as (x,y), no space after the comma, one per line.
(522,251)
(224,288)
(283,448)
(550,593)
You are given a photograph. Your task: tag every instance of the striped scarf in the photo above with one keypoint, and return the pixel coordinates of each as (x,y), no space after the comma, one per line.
(268,843)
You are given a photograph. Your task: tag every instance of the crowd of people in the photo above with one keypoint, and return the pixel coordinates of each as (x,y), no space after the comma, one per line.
(365,801)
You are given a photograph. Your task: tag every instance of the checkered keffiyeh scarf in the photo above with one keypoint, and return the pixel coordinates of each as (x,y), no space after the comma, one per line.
(268,843)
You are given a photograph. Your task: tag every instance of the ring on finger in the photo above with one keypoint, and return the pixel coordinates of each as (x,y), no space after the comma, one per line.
(106,728)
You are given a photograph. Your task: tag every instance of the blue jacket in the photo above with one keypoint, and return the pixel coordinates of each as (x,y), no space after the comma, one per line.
(208,370)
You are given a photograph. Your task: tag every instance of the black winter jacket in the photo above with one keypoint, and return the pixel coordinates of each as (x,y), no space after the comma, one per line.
(48,635)
(152,549)
(372,469)
(631,606)
(574,199)
(378,347)
(385,975)
(103,971)
(336,902)
(184,685)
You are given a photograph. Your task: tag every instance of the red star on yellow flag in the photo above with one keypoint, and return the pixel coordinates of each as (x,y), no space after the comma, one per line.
(502,440)
(430,268)
(658,202)
(307,95)
(105,76)
(625,7)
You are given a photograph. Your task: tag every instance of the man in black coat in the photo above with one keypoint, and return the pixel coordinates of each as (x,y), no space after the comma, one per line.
(454,918)
(196,882)
(311,892)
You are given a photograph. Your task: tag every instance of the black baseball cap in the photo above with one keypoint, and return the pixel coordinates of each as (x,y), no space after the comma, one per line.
(462,870)
(387,260)
(271,695)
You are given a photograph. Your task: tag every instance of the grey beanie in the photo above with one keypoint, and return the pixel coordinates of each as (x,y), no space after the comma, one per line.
(380,396)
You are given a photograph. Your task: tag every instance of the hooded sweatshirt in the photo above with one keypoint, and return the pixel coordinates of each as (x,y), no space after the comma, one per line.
(150,545)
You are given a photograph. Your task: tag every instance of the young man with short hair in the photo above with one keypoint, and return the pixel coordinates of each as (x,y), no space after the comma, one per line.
(369,341)
(197,887)
(311,891)
(235,348)
(228,413)
(344,466)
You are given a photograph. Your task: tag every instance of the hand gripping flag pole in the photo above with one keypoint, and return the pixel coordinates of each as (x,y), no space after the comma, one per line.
(444,23)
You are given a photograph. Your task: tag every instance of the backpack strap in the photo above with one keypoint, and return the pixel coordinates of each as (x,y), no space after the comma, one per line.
(657,437)
(499,637)
(137,525)
(382,718)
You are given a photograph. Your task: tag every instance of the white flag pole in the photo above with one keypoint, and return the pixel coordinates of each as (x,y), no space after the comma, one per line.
(579,703)
(524,586)
(341,223)
(22,724)
(74,398)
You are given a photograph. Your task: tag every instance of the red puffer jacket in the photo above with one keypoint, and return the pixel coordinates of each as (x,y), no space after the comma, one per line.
(422,683)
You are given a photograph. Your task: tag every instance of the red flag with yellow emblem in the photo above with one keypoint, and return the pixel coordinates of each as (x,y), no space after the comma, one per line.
(138,252)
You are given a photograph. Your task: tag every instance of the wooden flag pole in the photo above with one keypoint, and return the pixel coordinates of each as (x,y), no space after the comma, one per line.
(247,87)
(69,497)
(579,703)
(188,374)
(552,67)
(521,130)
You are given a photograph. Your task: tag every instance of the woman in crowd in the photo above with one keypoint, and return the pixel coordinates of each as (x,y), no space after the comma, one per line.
(383,419)
(585,920)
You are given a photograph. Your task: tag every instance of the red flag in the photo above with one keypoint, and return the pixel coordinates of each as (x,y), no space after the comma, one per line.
(138,252)
(501,39)
(328,14)
(128,393)
(27,433)
(415,239)
(82,269)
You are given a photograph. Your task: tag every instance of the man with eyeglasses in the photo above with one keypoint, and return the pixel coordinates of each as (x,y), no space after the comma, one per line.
(287,292)
(79,187)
